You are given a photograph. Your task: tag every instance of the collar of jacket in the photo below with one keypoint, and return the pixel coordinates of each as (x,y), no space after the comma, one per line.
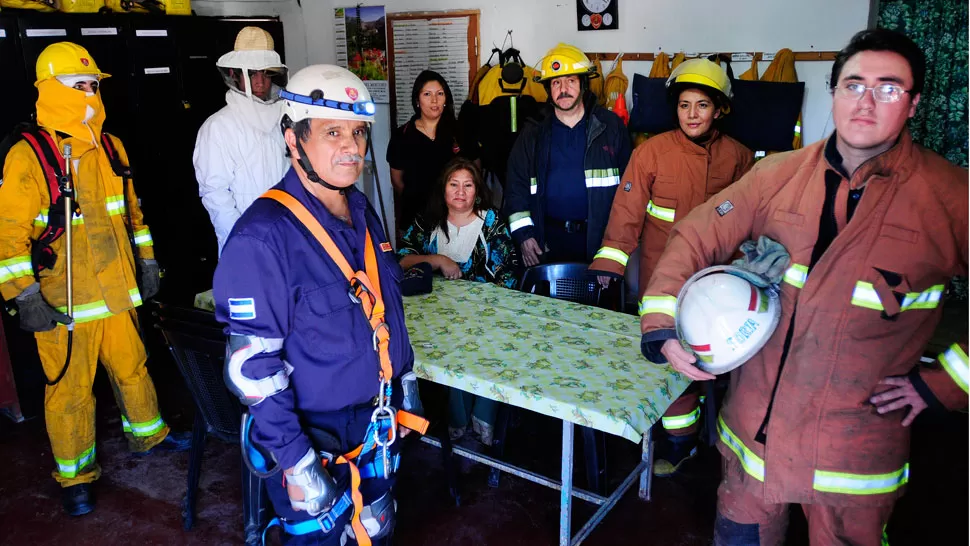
(689,144)
(896,161)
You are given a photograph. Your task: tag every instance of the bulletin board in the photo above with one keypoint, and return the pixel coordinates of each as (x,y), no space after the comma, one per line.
(443,41)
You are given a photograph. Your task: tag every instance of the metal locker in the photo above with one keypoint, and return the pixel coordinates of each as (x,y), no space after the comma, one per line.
(14,81)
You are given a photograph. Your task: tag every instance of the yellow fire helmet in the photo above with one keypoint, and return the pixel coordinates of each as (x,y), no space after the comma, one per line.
(565,60)
(700,73)
(66,59)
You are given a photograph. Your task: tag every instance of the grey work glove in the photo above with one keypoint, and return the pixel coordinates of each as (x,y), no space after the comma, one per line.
(150,278)
(765,261)
(36,315)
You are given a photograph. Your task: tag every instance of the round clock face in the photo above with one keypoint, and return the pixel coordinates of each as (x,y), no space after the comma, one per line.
(596,6)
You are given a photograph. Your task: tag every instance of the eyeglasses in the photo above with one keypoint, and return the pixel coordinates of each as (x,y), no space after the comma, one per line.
(884,92)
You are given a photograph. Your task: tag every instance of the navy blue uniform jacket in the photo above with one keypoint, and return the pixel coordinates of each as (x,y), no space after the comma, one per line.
(275,281)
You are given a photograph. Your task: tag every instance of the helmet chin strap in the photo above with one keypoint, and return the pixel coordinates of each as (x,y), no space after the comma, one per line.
(312,175)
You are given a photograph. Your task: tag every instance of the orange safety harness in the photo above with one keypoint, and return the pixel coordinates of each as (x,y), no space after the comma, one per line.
(365,289)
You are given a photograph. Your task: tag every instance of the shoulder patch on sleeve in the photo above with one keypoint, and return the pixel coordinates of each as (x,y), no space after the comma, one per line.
(242,308)
(628,186)
(386,247)
(724,208)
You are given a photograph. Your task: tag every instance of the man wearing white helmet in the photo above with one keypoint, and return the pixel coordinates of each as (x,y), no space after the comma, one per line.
(239,152)
(318,348)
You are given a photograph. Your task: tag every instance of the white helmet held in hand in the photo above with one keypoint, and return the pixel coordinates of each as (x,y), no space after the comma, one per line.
(724,319)
(326,91)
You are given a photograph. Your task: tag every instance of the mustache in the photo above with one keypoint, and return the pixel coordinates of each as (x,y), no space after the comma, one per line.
(565,96)
(356,158)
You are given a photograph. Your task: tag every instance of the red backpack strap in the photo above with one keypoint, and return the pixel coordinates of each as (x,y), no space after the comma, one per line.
(119,168)
(45,148)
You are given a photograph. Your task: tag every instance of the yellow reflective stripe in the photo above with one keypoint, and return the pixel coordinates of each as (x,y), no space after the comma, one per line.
(99,309)
(825,481)
(602,178)
(798,127)
(135,296)
(885,537)
(860,484)
(115,204)
(681,421)
(796,275)
(657,304)
(864,295)
(954,361)
(533,186)
(14,268)
(147,428)
(753,465)
(69,468)
(43,218)
(927,299)
(665,214)
(143,237)
(614,254)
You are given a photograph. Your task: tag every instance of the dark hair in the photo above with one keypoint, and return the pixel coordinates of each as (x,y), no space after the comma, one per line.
(881,39)
(431,76)
(437,212)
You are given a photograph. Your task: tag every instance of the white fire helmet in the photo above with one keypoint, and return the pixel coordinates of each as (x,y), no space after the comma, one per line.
(724,319)
(326,91)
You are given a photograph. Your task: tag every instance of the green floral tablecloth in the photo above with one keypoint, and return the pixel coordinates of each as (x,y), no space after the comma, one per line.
(562,359)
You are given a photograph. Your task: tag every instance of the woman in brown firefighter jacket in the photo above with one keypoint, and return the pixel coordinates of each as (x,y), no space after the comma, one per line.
(876,227)
(667,177)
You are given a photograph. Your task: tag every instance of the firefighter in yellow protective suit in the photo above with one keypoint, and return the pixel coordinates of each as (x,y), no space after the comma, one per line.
(105,288)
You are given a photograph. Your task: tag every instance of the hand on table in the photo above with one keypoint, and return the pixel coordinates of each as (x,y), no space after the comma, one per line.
(449,269)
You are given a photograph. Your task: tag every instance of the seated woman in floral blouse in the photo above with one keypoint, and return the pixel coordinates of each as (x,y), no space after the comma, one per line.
(463,237)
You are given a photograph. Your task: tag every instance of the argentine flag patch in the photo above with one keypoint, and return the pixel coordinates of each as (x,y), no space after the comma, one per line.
(242,308)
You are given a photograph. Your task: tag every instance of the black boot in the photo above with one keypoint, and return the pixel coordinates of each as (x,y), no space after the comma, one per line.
(78,499)
(175,441)
(672,453)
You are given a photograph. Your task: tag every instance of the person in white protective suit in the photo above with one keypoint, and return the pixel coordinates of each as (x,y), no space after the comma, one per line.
(239,152)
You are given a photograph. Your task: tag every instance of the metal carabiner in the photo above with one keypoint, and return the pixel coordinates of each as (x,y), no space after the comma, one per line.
(381,326)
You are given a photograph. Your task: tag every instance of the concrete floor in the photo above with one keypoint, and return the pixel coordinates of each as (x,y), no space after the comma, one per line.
(139,499)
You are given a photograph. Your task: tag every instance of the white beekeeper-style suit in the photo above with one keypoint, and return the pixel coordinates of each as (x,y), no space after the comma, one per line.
(240,152)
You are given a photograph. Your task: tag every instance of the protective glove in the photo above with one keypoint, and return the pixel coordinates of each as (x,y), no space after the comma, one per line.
(764,262)
(36,315)
(150,278)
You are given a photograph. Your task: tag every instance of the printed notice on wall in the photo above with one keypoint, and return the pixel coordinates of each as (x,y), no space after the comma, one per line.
(436,44)
(362,47)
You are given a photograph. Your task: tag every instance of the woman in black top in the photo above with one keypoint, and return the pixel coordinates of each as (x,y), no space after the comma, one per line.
(420,148)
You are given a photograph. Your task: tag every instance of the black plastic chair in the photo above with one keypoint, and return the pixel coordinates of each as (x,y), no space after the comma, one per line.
(573,282)
(198,346)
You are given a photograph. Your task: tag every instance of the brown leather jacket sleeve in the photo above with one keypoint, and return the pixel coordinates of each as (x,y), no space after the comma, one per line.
(626,216)
(709,234)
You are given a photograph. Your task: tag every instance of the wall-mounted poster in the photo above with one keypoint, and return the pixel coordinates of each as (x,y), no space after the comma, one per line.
(362,46)
(597,15)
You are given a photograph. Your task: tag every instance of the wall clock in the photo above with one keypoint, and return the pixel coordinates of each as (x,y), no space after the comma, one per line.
(596,15)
